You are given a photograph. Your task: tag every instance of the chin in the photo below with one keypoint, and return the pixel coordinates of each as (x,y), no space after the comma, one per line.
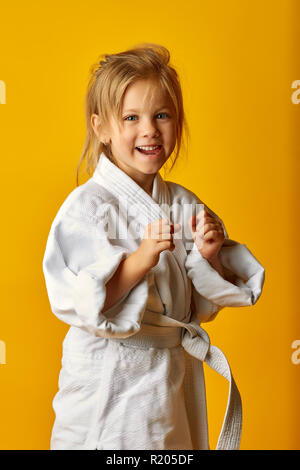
(151,167)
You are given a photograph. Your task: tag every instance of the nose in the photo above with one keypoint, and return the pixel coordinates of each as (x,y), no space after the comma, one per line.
(150,129)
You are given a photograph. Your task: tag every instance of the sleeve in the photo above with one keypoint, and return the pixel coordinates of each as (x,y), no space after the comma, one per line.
(242,286)
(78,262)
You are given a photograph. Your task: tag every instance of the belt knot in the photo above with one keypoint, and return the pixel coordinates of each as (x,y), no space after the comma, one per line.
(195,341)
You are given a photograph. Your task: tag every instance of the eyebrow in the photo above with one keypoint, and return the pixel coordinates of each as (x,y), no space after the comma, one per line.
(136,110)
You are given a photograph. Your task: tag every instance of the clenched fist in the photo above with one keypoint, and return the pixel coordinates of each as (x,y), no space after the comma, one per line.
(208,234)
(158,236)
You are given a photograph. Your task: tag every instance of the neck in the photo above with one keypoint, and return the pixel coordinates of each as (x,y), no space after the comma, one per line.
(147,184)
(144,181)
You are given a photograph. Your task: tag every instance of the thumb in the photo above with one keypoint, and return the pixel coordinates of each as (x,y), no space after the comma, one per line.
(175,228)
(192,223)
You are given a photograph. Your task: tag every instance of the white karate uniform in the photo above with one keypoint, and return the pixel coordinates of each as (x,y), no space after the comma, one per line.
(132,377)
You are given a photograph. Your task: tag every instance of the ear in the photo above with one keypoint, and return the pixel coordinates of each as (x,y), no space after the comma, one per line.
(99,128)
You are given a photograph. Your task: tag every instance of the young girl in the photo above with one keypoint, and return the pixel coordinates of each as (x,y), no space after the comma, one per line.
(134,264)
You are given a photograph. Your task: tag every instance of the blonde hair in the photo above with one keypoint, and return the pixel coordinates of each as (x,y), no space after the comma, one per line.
(109,80)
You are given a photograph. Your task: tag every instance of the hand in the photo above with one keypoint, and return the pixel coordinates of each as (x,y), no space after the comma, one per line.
(208,234)
(157,238)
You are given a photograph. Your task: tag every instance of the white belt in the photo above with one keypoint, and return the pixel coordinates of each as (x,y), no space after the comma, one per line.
(197,343)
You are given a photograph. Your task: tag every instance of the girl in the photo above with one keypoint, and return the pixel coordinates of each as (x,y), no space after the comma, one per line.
(134,264)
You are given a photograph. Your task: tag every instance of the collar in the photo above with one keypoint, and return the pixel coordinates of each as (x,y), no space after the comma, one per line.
(118,183)
(122,186)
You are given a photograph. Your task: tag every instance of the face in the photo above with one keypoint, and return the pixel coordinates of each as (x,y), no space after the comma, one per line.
(148,119)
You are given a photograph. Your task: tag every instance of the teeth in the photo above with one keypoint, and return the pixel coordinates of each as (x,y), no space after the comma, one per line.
(148,147)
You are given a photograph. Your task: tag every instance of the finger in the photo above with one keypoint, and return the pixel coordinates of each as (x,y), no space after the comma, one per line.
(205,219)
(160,222)
(212,235)
(208,219)
(165,236)
(175,228)
(198,239)
(163,229)
(158,226)
(192,222)
(204,228)
(166,245)
(203,212)
(166,228)
(171,228)
(168,235)
(198,224)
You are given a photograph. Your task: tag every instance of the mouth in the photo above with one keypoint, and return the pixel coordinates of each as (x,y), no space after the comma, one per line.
(150,150)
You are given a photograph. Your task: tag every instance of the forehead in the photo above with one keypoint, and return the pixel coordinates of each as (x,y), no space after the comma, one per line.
(147,92)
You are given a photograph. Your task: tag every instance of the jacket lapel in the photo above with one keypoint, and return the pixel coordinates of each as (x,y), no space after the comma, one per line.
(130,194)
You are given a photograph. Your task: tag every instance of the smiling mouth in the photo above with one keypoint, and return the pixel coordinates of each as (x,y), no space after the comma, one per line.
(154,151)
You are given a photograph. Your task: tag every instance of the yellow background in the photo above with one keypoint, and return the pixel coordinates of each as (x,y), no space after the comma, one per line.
(237,61)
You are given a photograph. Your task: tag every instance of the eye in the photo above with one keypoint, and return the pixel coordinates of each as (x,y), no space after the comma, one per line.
(127,118)
(160,114)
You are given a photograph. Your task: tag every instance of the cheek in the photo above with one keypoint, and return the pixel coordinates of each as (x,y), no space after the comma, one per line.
(171,134)
(128,136)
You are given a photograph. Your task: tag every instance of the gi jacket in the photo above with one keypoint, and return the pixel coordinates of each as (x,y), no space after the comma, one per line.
(132,377)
